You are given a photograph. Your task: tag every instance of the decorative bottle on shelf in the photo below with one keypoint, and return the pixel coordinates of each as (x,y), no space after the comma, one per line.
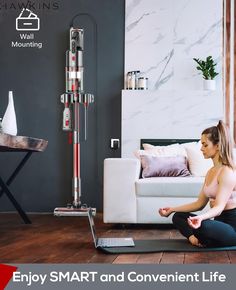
(9,125)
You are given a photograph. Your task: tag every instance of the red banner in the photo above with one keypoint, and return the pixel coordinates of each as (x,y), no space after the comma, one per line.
(6,273)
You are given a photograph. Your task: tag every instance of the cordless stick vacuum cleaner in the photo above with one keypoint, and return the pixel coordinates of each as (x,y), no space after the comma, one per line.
(73,99)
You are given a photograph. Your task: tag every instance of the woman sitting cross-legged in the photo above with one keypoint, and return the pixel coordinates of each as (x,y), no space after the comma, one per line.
(217,226)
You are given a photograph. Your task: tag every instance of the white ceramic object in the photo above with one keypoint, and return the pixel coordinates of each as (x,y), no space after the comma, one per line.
(9,125)
(209,85)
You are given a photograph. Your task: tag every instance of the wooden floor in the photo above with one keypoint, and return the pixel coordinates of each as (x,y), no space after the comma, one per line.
(51,239)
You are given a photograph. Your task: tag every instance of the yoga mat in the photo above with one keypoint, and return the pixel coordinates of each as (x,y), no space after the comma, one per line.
(163,245)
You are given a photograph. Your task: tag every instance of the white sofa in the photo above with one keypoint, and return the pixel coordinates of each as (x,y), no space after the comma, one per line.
(131,199)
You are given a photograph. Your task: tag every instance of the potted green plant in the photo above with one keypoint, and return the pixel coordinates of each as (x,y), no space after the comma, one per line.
(207,67)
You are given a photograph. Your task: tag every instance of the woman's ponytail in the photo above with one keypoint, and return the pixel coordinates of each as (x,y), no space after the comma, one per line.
(225,145)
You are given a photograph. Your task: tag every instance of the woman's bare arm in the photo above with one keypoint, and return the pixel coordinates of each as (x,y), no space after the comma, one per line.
(199,204)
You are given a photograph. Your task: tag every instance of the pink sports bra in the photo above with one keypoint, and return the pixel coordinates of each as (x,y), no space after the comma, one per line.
(211,190)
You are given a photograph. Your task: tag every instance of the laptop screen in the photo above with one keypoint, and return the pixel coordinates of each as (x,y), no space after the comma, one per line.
(92,226)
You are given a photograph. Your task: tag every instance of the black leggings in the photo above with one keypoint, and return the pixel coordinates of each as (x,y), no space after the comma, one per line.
(212,233)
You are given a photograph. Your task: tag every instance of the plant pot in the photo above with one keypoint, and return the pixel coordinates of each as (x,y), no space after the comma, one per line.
(209,85)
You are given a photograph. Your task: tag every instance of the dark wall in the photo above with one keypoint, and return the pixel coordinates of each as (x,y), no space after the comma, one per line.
(36,77)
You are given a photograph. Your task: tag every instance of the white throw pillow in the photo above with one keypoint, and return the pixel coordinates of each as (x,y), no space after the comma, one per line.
(138,153)
(198,165)
(169,150)
(191,145)
(156,153)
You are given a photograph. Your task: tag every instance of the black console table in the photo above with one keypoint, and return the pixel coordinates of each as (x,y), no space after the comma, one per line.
(29,145)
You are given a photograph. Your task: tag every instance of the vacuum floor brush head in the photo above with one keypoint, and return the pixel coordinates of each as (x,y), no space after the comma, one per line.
(64,211)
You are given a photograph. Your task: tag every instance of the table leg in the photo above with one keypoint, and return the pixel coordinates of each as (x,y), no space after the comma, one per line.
(5,188)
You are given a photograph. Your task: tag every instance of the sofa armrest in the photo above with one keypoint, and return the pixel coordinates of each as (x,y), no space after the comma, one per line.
(119,198)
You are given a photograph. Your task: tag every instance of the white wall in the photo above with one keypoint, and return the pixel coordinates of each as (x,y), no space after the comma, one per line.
(161,39)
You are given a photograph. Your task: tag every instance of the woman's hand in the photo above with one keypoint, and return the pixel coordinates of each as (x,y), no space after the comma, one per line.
(195,221)
(165,211)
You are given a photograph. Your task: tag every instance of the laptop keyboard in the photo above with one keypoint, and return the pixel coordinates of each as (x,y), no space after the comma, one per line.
(113,242)
(108,242)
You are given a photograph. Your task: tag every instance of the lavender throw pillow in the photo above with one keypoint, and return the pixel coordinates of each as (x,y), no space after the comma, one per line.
(154,166)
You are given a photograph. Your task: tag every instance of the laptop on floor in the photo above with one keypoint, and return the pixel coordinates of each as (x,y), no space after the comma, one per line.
(107,242)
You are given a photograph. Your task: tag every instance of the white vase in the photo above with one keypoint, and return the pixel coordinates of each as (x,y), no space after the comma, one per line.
(9,125)
(209,85)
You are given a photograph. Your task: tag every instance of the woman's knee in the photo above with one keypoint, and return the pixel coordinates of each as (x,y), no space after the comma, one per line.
(216,233)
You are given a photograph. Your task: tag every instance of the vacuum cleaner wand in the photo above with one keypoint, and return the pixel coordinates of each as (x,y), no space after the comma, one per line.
(73,99)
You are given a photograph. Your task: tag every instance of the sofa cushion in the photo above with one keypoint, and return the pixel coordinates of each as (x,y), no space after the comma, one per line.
(169,186)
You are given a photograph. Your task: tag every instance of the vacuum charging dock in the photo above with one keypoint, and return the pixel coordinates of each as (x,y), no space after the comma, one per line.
(71,211)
